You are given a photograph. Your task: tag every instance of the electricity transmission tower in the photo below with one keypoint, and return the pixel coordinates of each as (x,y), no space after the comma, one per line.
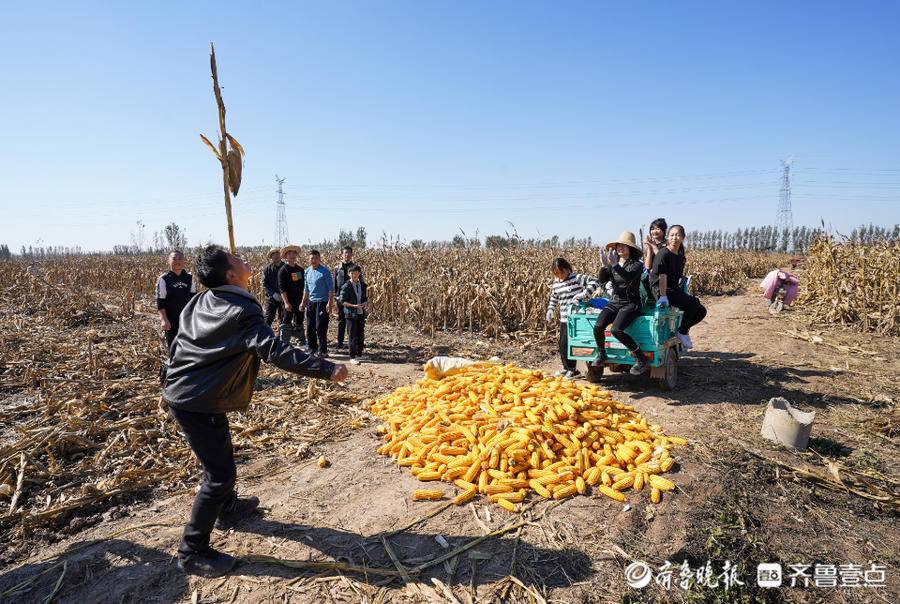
(281,228)
(785,217)
(784,220)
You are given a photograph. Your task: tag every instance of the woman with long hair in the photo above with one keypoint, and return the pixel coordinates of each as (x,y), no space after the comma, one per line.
(665,280)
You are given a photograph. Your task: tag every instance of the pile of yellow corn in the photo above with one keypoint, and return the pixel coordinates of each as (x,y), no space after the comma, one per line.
(503,430)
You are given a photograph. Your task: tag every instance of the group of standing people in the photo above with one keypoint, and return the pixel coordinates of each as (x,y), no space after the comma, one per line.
(293,293)
(296,294)
(624,267)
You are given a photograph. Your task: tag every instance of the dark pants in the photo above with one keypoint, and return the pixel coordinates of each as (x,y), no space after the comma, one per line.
(292,321)
(170,335)
(620,316)
(693,310)
(357,328)
(273,308)
(342,325)
(210,440)
(317,326)
(567,363)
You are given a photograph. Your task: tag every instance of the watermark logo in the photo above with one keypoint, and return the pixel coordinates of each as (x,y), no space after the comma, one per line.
(638,575)
(769,574)
(684,576)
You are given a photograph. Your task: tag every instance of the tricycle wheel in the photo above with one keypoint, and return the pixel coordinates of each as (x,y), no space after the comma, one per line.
(776,307)
(670,379)
(594,372)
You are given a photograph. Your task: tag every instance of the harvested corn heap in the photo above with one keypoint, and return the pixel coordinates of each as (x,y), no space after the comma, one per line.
(503,431)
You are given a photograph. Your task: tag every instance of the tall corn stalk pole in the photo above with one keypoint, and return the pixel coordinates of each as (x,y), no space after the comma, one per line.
(230,154)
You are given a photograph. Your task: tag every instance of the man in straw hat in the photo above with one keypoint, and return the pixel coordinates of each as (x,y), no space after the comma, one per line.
(620,265)
(270,286)
(290,286)
(214,365)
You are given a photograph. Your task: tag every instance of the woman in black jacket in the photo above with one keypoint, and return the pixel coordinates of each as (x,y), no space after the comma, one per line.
(621,265)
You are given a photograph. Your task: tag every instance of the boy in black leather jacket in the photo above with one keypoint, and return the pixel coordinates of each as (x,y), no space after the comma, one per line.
(214,363)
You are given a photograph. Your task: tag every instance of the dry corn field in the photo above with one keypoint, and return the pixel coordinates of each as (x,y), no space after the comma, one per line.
(491,292)
(854,284)
(96,430)
(579,478)
(505,432)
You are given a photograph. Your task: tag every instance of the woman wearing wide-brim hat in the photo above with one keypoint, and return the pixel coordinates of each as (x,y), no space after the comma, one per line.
(620,265)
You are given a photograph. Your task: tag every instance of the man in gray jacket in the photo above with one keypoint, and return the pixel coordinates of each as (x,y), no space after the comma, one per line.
(212,370)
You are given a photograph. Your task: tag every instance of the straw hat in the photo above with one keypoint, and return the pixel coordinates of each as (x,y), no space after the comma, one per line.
(290,248)
(273,251)
(626,238)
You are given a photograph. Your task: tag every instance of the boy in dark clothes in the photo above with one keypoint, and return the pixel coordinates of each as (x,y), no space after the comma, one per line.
(354,301)
(173,290)
(214,364)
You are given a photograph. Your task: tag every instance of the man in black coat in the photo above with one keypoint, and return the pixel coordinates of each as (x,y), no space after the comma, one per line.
(214,364)
(270,287)
(173,290)
(290,287)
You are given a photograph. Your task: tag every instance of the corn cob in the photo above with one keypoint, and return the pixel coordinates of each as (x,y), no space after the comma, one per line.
(427,495)
(508,505)
(465,496)
(661,483)
(611,493)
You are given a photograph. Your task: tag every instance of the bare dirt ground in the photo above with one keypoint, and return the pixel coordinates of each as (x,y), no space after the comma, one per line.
(740,498)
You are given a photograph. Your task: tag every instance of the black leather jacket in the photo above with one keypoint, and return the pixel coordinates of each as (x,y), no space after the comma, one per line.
(216,354)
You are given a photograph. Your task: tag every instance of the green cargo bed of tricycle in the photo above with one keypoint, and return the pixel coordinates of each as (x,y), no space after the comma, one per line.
(654,331)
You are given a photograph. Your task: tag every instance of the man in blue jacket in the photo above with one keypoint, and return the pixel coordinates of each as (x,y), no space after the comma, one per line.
(212,370)
(318,302)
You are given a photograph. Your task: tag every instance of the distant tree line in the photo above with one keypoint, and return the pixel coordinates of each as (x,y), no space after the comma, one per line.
(868,234)
(764,239)
(771,239)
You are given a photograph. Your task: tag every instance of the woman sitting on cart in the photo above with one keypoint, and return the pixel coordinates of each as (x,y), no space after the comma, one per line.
(665,280)
(620,265)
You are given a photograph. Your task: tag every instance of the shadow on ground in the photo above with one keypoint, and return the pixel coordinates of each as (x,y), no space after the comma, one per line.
(724,377)
(118,570)
(533,565)
(113,570)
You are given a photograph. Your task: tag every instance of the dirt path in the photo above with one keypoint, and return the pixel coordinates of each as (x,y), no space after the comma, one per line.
(730,506)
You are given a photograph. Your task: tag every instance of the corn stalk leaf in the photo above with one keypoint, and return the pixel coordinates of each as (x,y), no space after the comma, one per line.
(235,144)
(211,147)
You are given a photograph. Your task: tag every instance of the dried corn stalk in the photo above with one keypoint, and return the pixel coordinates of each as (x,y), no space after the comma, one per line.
(854,284)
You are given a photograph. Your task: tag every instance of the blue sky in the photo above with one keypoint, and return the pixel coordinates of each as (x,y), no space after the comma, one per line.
(421,119)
